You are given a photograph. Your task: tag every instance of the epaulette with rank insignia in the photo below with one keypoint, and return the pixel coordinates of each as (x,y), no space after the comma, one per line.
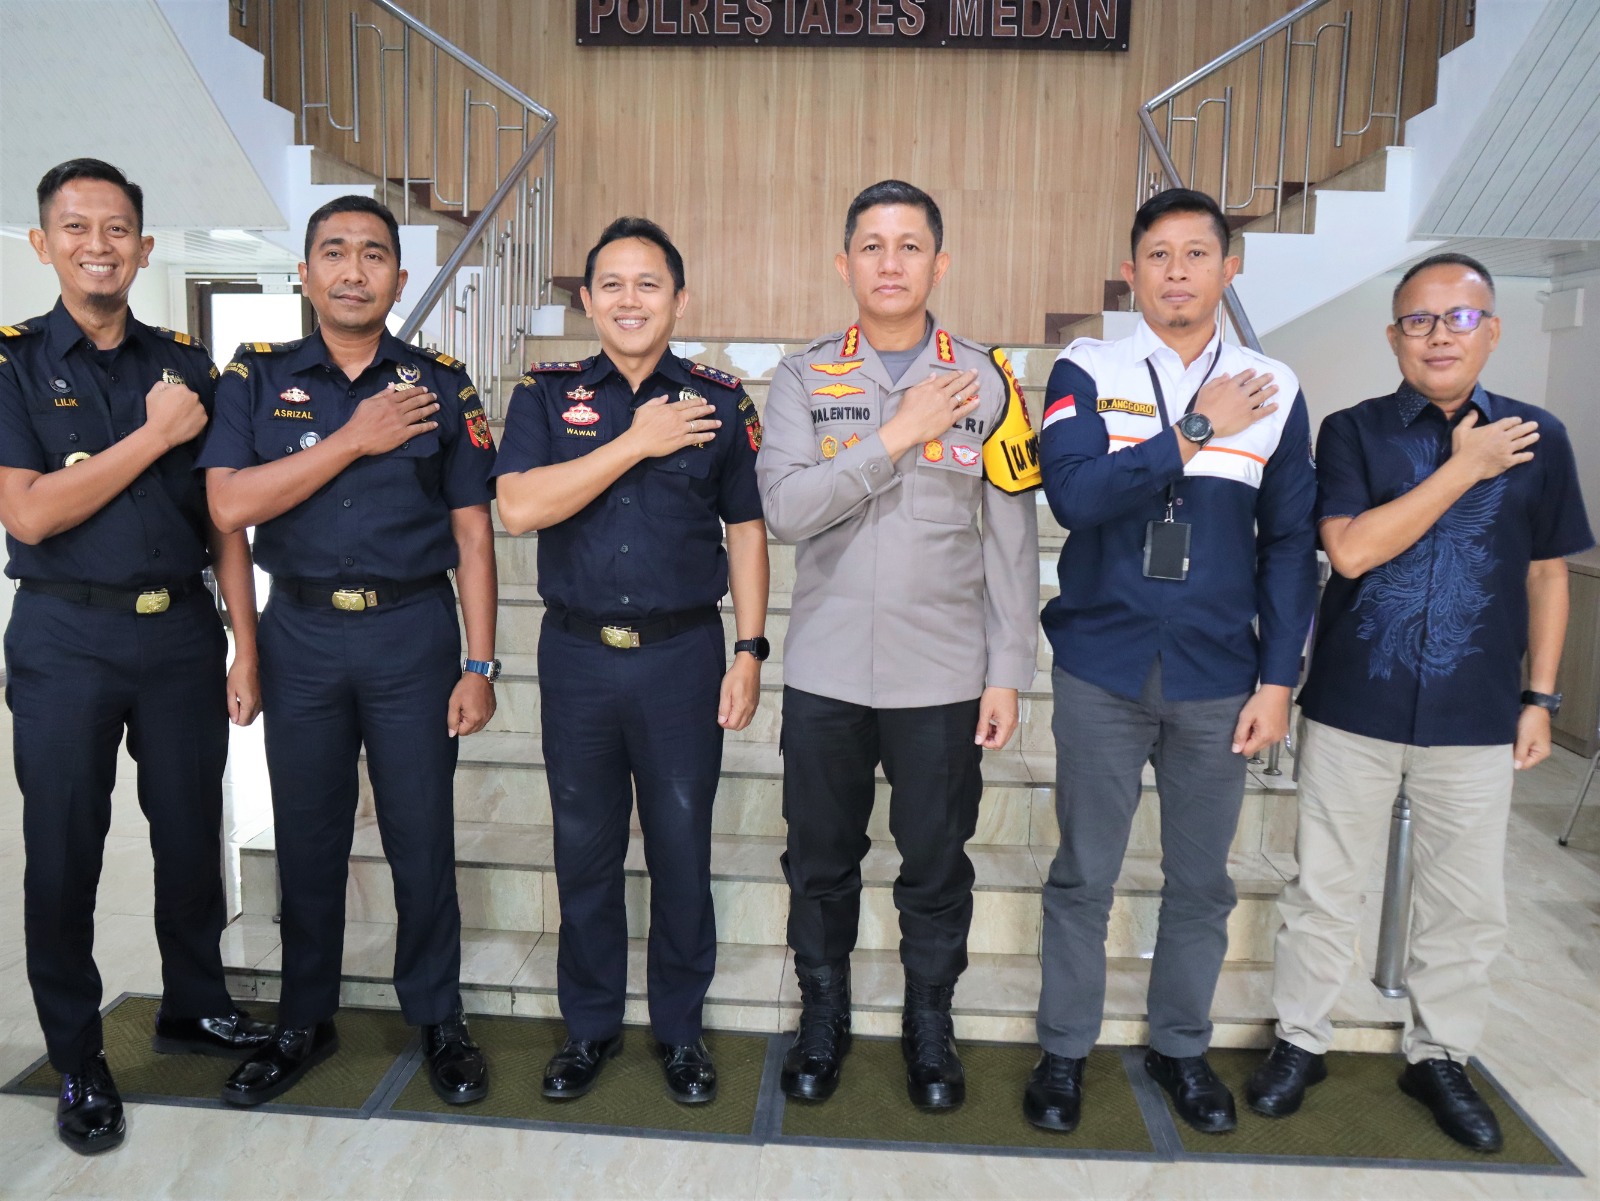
(712,374)
(16,331)
(444,360)
(534,368)
(173,335)
(264,348)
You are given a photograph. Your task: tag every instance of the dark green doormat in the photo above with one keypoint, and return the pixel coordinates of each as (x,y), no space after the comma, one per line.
(1359,1116)
(871,1105)
(629,1098)
(372,1047)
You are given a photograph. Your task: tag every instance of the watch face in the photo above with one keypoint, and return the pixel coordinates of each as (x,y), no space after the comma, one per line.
(1195,426)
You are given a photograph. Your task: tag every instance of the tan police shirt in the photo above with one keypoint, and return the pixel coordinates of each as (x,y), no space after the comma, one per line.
(917,581)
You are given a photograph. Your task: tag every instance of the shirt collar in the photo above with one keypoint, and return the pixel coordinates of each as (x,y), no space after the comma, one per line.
(313,352)
(1147,343)
(1411,404)
(63,334)
(670,367)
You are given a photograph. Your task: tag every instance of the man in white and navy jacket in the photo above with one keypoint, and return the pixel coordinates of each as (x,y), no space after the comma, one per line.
(1180,465)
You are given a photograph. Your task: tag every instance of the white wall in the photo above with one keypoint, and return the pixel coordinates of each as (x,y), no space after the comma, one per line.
(1574,387)
(28,288)
(1342,356)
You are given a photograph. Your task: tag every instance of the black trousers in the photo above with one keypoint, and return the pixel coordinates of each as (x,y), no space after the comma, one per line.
(620,724)
(332,682)
(76,678)
(830,749)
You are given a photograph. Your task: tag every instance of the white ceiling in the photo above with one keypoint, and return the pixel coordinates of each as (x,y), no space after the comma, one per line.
(1531,168)
(108,79)
(1534,257)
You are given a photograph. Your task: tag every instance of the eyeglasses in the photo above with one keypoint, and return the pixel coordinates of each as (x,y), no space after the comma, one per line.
(1457,321)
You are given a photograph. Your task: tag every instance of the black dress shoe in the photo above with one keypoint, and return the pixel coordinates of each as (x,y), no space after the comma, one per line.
(278,1066)
(1053,1099)
(691,1076)
(1278,1086)
(573,1070)
(1442,1085)
(1197,1093)
(233,1036)
(455,1063)
(811,1065)
(89,1113)
(935,1078)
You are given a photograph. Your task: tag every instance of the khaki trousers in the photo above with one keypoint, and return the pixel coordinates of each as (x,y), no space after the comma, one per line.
(1460,799)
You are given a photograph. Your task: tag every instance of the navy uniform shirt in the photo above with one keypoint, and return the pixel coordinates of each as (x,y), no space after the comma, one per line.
(385,517)
(1109,458)
(651,543)
(1427,648)
(60,397)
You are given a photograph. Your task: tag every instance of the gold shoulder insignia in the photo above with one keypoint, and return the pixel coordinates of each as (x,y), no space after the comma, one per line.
(1011,451)
(439,356)
(14,331)
(712,374)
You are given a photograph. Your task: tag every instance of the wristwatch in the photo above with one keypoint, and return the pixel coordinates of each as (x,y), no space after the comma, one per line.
(759,648)
(489,669)
(1196,427)
(1545,700)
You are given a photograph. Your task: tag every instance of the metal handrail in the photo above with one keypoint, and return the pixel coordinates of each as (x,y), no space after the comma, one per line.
(478,306)
(1218,100)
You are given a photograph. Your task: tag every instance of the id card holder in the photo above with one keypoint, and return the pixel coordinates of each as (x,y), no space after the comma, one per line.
(1166,550)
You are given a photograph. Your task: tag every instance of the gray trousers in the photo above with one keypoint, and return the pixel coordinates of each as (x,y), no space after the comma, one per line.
(1102,744)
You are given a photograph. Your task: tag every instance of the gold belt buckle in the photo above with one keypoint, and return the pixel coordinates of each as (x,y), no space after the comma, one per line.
(352,600)
(158,601)
(619,637)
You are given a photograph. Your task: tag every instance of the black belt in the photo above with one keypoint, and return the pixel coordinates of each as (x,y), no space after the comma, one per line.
(354,598)
(156,599)
(638,633)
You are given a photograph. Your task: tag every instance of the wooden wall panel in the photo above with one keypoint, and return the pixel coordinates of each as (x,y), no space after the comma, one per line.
(749,156)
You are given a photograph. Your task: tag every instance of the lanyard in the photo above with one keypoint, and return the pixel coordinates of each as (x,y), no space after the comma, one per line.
(1161,409)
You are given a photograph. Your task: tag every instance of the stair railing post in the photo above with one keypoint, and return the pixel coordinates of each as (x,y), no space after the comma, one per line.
(1394,923)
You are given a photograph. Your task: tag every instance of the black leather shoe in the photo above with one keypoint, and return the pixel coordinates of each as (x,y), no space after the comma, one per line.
(1197,1093)
(573,1070)
(277,1067)
(89,1113)
(935,1078)
(1442,1085)
(236,1035)
(455,1064)
(1053,1099)
(811,1065)
(1278,1086)
(691,1076)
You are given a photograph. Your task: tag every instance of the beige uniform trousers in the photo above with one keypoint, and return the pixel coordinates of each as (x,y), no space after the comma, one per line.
(1460,799)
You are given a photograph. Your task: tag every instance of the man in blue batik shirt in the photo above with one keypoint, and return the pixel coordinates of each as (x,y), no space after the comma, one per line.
(1445,511)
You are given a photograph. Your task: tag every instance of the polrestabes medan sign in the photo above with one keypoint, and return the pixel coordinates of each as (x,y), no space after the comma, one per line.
(873,24)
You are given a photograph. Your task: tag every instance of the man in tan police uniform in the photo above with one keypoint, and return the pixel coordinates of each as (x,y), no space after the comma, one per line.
(899,459)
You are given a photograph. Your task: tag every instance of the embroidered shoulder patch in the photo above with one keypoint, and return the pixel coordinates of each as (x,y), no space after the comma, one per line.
(715,376)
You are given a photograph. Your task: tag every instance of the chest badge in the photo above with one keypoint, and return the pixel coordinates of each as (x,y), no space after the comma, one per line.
(964,455)
(830,447)
(408,374)
(852,440)
(60,385)
(76,457)
(169,376)
(580,414)
(837,390)
(309,439)
(837,369)
(581,393)
(933,451)
(295,396)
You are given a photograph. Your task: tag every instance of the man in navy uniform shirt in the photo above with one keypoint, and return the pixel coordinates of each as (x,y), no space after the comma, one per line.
(113,629)
(1186,591)
(629,464)
(1445,511)
(364,464)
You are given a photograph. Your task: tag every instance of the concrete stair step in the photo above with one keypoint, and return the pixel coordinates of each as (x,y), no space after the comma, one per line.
(754,988)
(506,878)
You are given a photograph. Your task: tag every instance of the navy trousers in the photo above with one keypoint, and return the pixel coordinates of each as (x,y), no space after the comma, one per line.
(331,683)
(76,678)
(616,724)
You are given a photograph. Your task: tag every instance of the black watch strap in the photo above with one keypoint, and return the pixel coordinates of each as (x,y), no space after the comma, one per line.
(760,648)
(1545,700)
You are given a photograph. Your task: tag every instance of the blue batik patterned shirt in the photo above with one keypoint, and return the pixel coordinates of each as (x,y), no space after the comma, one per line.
(1427,648)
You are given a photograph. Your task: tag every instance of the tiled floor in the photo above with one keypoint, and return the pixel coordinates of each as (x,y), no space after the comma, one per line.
(1543,1043)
